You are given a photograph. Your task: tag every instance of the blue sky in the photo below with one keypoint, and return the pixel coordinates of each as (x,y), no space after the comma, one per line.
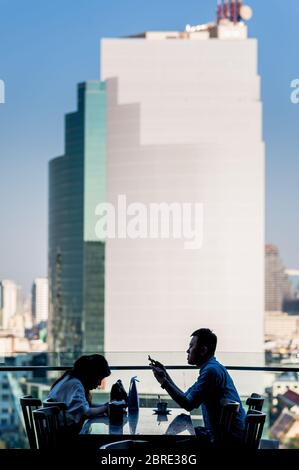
(48,46)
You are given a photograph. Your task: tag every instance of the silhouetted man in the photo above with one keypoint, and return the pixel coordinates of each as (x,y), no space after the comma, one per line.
(213,384)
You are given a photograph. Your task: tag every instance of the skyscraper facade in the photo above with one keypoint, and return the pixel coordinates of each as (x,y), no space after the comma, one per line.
(40,300)
(184,120)
(76,256)
(278,285)
(293,275)
(11,302)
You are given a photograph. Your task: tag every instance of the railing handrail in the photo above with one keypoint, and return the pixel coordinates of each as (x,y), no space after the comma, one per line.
(170,367)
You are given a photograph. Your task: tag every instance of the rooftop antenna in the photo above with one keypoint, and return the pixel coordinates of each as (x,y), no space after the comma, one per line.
(234,11)
(226,9)
(238,9)
(219,10)
(231,7)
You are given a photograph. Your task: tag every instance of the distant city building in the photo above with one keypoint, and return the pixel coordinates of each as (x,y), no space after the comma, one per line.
(12,429)
(185,125)
(7,417)
(11,302)
(40,300)
(76,256)
(278,285)
(10,424)
(289,399)
(286,427)
(284,413)
(28,321)
(293,275)
(12,344)
(291,306)
(17,326)
(286,381)
(281,326)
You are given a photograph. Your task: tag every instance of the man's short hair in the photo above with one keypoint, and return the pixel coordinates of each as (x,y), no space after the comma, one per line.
(206,338)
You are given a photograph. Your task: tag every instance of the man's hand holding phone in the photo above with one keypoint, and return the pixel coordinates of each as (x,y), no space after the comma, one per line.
(157,364)
(158,369)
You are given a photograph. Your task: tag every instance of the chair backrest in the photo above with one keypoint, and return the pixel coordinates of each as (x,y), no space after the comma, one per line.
(28,404)
(254,425)
(47,427)
(255,402)
(126,445)
(228,412)
(59,404)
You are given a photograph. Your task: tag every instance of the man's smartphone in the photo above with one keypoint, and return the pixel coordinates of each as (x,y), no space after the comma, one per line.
(156,363)
(152,361)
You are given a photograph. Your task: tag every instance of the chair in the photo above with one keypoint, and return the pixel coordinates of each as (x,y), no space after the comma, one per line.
(126,445)
(28,404)
(228,412)
(62,407)
(255,402)
(47,427)
(254,425)
(269,444)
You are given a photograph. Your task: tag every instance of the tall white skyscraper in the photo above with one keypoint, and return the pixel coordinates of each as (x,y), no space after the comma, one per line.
(185,125)
(40,300)
(11,298)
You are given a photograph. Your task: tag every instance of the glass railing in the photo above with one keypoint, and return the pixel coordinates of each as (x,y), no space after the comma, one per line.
(33,374)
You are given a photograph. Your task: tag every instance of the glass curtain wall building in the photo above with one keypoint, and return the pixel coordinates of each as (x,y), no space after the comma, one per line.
(76,256)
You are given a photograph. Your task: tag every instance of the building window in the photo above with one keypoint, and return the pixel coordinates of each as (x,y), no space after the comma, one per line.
(3,422)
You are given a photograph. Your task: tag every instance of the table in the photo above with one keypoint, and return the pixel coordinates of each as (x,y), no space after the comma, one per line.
(145,422)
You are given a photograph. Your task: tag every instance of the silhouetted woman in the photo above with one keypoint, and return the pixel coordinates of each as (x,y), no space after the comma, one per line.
(73,389)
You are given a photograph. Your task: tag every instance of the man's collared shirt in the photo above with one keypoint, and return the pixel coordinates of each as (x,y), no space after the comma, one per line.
(214,384)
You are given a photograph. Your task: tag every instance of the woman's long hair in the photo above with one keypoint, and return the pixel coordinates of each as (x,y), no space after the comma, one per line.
(89,370)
